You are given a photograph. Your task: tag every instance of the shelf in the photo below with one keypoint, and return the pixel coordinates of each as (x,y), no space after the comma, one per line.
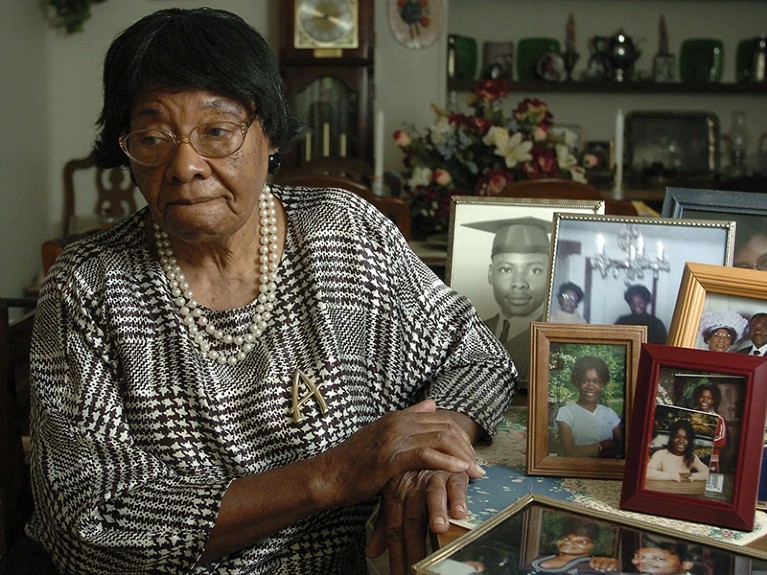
(607,87)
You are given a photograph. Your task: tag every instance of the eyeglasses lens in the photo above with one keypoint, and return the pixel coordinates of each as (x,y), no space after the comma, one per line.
(155,147)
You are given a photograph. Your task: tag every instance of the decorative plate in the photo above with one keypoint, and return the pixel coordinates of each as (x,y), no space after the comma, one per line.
(529,50)
(701,60)
(416,24)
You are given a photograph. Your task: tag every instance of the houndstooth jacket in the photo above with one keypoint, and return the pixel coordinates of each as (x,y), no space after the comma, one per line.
(136,436)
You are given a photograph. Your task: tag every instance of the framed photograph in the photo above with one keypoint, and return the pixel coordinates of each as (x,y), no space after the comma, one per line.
(497,59)
(723,309)
(581,391)
(541,535)
(747,209)
(498,256)
(691,461)
(626,270)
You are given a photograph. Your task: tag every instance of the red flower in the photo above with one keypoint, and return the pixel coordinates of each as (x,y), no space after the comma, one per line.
(491,90)
(494,182)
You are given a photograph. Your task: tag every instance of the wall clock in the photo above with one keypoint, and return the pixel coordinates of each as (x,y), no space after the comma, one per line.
(326,24)
(312,30)
(326,62)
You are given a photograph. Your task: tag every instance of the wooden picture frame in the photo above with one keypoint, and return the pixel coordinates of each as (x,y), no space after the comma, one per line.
(475,223)
(656,486)
(601,255)
(527,530)
(711,289)
(556,442)
(719,288)
(747,209)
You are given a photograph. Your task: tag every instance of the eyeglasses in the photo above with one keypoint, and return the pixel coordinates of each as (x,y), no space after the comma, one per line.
(155,147)
(720,336)
(568,297)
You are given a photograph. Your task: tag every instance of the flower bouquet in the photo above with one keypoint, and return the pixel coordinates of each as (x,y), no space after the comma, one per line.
(480,151)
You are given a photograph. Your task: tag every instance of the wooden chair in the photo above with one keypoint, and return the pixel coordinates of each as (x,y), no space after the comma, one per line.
(51,249)
(395,208)
(344,166)
(116,194)
(567,190)
(15,490)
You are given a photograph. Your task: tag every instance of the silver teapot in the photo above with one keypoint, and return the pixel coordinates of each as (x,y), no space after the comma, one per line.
(620,57)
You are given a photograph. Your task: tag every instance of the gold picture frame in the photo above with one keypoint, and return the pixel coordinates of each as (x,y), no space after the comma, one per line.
(507,542)
(700,281)
(560,347)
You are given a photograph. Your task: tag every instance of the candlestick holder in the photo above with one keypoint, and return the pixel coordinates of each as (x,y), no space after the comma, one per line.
(378,188)
(571,58)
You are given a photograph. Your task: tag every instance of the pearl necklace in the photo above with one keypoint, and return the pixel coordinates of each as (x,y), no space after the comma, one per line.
(198,325)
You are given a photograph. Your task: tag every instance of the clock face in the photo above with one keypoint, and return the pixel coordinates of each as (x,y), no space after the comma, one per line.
(326,24)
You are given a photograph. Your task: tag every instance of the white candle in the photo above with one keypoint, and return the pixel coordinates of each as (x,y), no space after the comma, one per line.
(619,151)
(342,145)
(308,147)
(600,244)
(326,139)
(379,145)
(640,244)
(660,250)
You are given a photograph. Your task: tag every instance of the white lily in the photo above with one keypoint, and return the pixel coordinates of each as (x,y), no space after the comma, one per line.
(511,148)
(421,177)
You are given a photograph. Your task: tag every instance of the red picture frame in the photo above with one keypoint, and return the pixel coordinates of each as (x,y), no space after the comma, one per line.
(728,498)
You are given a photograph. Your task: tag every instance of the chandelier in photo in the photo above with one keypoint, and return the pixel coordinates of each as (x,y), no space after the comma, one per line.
(634,261)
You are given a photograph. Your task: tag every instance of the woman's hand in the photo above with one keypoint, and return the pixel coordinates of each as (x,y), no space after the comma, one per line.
(410,503)
(414,439)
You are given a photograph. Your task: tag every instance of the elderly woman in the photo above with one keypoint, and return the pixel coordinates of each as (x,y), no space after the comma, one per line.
(228,380)
(569,296)
(721,329)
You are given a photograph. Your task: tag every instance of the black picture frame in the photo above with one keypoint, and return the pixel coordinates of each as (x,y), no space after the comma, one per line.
(747,209)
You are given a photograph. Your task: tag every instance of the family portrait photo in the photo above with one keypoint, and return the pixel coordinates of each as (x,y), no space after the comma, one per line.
(627,270)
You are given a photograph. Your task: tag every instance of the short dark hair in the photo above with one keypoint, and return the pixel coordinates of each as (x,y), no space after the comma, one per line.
(689,453)
(715,393)
(570,286)
(590,530)
(756,316)
(637,289)
(198,48)
(585,363)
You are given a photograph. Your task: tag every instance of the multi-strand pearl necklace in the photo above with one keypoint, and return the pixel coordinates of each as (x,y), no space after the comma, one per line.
(198,325)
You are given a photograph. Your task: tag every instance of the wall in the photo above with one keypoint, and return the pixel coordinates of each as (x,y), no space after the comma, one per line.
(24,146)
(52,84)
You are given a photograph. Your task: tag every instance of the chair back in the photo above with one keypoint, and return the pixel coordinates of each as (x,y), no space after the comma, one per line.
(15,489)
(115,197)
(396,209)
(344,166)
(567,190)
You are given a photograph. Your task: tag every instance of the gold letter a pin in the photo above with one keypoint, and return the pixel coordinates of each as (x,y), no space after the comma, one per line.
(314,390)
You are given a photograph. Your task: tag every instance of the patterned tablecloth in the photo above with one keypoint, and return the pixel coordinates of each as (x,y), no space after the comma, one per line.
(506,481)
